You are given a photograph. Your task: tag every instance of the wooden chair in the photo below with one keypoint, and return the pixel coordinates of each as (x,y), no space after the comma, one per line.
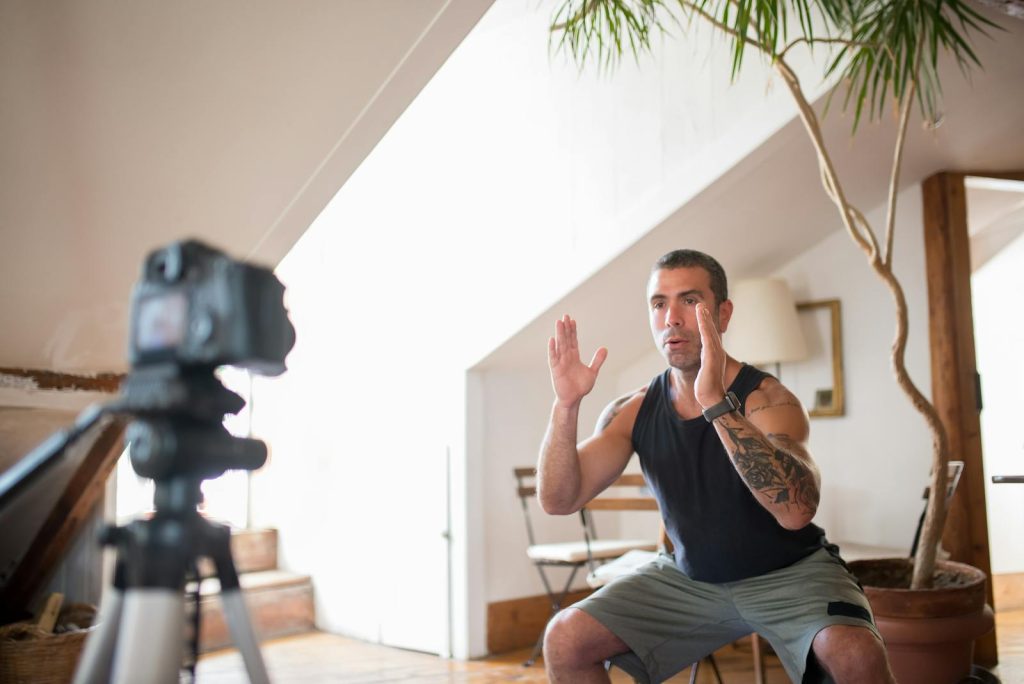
(588,551)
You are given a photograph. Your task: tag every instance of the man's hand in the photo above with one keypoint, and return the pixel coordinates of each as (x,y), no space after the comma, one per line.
(709,387)
(570,377)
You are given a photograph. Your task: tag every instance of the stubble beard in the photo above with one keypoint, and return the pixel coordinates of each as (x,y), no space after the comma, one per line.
(686,363)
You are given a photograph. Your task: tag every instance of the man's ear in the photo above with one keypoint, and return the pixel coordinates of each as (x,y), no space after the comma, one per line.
(724,315)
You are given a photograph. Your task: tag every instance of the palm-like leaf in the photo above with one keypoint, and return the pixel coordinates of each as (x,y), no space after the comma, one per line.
(887,46)
(896,44)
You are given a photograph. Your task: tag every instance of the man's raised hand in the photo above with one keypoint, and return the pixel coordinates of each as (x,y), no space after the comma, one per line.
(570,377)
(709,386)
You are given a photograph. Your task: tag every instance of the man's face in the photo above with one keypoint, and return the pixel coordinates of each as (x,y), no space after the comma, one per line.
(672,298)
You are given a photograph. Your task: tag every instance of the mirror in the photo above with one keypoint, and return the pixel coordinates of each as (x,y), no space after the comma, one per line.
(818,380)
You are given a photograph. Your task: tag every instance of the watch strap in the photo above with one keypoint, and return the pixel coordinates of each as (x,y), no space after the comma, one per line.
(730,403)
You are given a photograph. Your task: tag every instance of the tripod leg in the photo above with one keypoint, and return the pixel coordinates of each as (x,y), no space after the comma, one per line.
(98,655)
(245,638)
(236,613)
(152,625)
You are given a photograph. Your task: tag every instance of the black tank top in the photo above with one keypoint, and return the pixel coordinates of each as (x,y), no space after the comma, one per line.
(720,532)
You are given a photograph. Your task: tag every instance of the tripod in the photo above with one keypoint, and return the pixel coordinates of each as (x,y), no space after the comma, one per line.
(145,610)
(178,443)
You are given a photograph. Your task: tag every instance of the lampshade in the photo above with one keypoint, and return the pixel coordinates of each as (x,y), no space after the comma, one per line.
(764,327)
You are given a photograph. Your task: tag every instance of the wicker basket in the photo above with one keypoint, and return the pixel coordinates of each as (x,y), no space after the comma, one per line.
(29,655)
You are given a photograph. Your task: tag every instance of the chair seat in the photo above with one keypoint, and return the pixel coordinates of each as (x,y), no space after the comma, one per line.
(576,552)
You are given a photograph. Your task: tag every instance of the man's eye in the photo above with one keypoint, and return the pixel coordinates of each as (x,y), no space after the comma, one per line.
(691,301)
(657,305)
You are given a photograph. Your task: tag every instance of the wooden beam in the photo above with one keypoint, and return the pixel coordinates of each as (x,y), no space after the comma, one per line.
(954,373)
(1003,175)
(66,519)
(44,379)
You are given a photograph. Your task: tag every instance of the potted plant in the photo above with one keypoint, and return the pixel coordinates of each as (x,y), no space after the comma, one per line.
(880,50)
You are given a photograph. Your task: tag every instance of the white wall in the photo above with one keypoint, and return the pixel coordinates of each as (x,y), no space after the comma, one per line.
(999,338)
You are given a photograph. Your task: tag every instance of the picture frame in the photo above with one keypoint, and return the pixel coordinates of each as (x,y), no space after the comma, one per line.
(818,380)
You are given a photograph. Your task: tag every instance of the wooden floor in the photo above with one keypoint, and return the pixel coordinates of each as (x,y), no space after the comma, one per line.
(326,658)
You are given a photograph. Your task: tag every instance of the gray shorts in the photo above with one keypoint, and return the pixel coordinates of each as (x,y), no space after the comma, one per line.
(670,621)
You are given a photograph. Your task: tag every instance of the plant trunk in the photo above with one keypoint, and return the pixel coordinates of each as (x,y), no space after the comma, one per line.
(935,514)
(864,237)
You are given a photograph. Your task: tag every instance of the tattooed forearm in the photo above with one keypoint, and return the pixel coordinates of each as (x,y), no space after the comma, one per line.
(771,470)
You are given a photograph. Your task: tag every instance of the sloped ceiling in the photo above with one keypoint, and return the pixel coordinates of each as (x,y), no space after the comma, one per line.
(770,207)
(127,125)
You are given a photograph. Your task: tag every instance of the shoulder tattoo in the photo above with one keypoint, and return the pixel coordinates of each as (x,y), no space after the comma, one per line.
(614,409)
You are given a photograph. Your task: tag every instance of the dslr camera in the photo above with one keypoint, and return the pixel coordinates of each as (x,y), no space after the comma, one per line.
(196,307)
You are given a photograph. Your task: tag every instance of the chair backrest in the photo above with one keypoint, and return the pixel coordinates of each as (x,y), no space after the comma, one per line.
(614,498)
(526,489)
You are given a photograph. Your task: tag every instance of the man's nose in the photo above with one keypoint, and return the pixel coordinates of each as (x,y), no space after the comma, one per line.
(673,316)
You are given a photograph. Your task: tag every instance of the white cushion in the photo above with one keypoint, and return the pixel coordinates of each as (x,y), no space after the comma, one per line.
(851,551)
(600,549)
(625,564)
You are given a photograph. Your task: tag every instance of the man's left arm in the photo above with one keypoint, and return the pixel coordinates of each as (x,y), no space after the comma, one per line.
(767,447)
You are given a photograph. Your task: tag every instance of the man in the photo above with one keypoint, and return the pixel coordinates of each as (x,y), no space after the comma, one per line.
(722,447)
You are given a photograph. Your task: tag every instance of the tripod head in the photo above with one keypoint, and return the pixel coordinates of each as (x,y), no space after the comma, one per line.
(178,438)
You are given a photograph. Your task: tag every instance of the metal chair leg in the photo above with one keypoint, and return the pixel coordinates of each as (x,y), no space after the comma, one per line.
(755,641)
(556,605)
(537,648)
(695,668)
(714,666)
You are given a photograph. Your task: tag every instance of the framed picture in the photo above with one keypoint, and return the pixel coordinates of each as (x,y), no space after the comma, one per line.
(818,380)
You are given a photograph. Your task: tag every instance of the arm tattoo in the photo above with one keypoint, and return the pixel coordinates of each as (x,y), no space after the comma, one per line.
(775,405)
(772,471)
(609,414)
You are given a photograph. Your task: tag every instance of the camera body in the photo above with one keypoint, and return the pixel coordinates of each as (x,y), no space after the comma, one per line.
(196,307)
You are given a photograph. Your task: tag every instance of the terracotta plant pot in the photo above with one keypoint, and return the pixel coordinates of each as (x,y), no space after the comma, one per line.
(929,634)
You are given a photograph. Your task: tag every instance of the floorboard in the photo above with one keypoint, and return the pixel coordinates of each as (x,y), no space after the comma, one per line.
(326,658)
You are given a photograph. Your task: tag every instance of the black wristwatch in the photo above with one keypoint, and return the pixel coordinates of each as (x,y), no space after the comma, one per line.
(730,403)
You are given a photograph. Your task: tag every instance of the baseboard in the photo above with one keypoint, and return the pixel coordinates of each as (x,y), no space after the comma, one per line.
(1008,590)
(517,623)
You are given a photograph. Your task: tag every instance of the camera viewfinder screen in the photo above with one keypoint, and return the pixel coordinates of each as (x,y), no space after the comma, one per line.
(161,322)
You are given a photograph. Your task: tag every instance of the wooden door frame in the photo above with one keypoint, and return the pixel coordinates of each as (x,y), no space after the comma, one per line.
(954,369)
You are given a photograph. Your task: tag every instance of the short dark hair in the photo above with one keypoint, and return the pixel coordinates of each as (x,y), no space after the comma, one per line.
(688,258)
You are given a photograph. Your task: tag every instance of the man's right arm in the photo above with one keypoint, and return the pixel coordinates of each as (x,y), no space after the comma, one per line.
(570,475)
